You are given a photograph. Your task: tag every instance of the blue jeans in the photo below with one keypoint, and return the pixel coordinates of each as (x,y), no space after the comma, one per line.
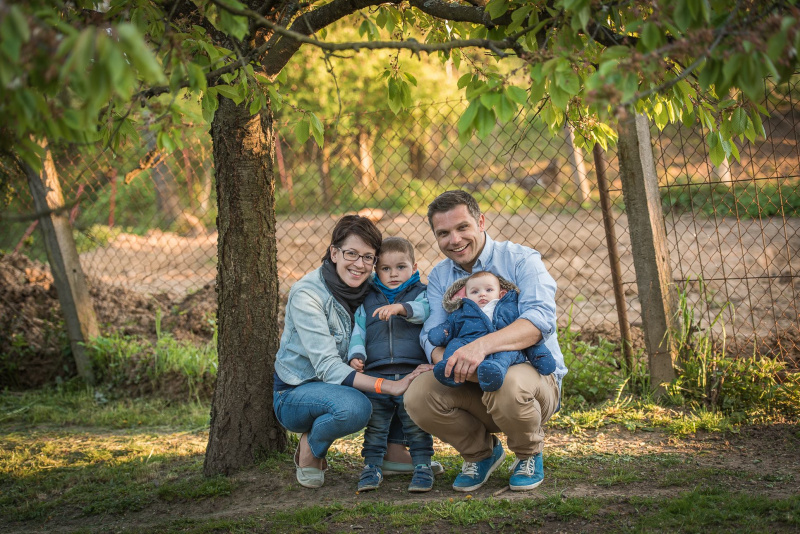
(325,411)
(386,410)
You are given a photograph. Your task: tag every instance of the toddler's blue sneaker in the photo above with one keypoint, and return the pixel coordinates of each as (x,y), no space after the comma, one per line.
(371,478)
(475,474)
(526,474)
(422,480)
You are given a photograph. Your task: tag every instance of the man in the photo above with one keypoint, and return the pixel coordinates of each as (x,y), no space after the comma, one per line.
(466,417)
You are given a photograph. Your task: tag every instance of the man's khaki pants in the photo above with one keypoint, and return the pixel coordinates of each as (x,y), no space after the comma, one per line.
(466,417)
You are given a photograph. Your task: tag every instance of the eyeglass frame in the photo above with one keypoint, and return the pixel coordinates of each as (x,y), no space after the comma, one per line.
(362,257)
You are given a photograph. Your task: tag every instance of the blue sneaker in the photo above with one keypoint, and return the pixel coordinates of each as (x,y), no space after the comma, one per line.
(422,480)
(475,474)
(371,478)
(527,474)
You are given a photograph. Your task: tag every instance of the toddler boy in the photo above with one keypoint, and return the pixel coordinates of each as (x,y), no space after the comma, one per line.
(480,304)
(385,343)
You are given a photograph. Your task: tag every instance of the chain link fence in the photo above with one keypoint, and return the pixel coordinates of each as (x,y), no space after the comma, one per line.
(149,224)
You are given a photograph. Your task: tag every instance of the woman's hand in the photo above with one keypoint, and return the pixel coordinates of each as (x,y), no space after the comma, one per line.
(399,387)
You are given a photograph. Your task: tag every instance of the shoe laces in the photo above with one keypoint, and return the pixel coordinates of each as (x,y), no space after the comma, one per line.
(526,467)
(469,469)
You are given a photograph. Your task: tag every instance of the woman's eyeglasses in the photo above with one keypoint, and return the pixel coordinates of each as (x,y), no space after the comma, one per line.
(352,255)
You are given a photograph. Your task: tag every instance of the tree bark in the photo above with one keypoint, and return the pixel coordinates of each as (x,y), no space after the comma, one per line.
(578,169)
(243,424)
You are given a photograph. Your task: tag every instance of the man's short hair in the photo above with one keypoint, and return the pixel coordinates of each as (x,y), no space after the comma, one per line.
(452,199)
(398,244)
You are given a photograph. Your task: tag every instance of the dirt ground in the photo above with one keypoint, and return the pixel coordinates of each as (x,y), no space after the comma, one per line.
(759,461)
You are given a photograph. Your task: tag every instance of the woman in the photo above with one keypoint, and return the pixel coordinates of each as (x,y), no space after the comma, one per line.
(316,393)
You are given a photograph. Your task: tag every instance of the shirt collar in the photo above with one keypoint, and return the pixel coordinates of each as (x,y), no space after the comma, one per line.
(485,257)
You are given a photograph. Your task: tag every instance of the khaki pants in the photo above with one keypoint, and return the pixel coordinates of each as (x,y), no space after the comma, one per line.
(466,417)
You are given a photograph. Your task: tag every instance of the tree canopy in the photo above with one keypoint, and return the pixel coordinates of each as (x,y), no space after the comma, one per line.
(81,71)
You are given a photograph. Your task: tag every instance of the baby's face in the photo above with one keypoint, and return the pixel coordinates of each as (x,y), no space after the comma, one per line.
(483,290)
(394,268)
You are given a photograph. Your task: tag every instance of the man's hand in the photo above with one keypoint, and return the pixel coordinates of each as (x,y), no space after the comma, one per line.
(464,362)
(384,312)
(357,364)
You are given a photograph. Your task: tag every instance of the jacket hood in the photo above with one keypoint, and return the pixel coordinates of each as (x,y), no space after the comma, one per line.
(451,300)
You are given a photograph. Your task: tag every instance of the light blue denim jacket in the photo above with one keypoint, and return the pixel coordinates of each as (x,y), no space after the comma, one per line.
(316,335)
(517,263)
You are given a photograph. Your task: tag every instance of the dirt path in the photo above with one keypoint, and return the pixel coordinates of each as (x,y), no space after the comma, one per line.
(612,463)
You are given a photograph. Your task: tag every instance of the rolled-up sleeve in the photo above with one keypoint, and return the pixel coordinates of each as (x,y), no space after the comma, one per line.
(436,289)
(319,343)
(537,297)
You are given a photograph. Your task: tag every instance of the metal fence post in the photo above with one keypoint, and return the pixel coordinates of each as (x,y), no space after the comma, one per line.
(649,245)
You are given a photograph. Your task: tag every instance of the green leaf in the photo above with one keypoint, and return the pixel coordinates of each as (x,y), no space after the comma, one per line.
(559,98)
(229,92)
(466,120)
(739,121)
(197,77)
(302,131)
(569,82)
(517,94)
(485,122)
(651,36)
(209,104)
(139,54)
(716,151)
(410,78)
(490,100)
(464,80)
(497,8)
(505,109)
(317,130)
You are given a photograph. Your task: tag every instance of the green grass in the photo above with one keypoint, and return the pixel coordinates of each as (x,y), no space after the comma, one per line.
(743,201)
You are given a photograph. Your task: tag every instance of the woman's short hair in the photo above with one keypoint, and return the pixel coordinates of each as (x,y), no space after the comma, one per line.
(358,226)
(398,244)
(452,199)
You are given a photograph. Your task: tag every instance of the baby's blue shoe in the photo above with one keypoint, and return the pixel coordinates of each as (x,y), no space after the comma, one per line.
(541,358)
(527,474)
(371,478)
(475,474)
(491,375)
(438,372)
(422,480)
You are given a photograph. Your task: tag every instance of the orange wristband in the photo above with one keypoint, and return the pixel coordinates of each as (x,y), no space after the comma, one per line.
(378,383)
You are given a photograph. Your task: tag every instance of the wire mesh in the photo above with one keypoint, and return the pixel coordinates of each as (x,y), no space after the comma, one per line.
(146,221)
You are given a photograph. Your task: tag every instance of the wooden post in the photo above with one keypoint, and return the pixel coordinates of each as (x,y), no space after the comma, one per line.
(73,293)
(657,293)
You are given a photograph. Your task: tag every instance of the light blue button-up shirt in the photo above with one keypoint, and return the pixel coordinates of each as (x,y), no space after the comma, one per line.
(518,264)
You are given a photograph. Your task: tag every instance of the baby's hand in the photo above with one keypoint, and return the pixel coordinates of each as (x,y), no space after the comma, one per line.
(385,312)
(358,365)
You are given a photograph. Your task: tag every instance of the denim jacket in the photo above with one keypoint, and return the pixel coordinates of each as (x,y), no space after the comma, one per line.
(315,336)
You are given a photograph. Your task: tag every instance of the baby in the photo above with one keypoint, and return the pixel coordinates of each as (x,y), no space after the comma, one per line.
(480,304)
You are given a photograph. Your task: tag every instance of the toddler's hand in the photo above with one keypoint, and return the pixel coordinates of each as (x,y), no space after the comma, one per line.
(385,312)
(358,365)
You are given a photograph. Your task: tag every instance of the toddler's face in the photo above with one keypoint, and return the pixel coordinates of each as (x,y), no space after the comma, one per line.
(394,268)
(483,290)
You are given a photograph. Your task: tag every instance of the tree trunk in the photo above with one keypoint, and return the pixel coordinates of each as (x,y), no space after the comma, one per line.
(324,163)
(243,424)
(366,165)
(65,265)
(579,169)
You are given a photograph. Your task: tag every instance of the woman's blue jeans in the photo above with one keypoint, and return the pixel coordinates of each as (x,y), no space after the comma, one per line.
(325,411)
